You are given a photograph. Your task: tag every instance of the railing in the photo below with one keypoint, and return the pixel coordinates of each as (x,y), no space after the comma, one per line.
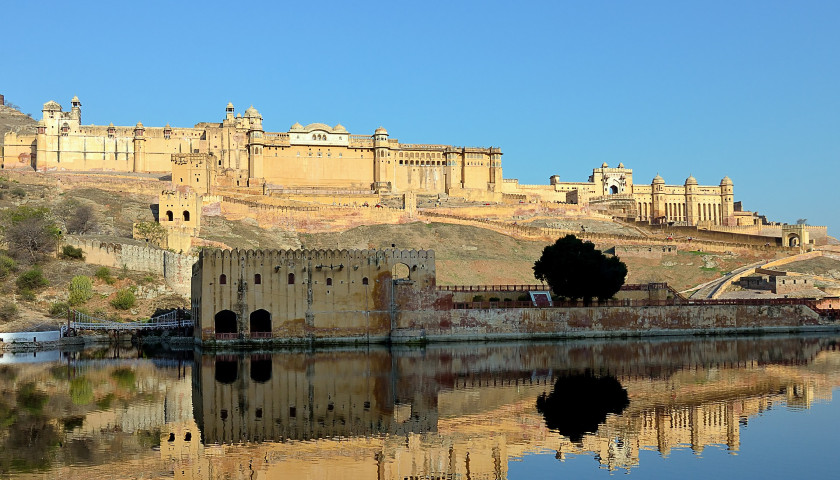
(809,302)
(260,334)
(491,288)
(82,321)
(227,336)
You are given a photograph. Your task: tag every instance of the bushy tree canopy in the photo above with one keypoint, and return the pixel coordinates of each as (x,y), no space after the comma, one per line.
(574,269)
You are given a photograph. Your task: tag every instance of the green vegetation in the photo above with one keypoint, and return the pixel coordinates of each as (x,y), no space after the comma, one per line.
(104,274)
(31,280)
(478,298)
(7,265)
(81,391)
(574,269)
(124,299)
(125,378)
(81,290)
(72,252)
(59,309)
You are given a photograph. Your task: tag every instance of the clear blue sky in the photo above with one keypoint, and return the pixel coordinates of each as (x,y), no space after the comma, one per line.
(712,88)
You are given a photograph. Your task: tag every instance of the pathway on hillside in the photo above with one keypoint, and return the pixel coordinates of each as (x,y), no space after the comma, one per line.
(714,288)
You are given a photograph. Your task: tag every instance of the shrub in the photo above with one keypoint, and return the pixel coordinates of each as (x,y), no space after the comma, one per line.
(18,192)
(27,295)
(523,298)
(124,299)
(478,298)
(81,290)
(59,309)
(104,274)
(7,265)
(494,299)
(30,232)
(31,279)
(70,251)
(147,279)
(8,311)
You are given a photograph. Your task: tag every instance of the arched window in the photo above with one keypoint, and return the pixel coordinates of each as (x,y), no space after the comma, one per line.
(186,216)
(257,279)
(291,279)
(314,137)
(329,282)
(169,215)
(223,279)
(364,281)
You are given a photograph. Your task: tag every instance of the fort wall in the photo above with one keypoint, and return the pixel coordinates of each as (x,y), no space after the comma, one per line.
(175,268)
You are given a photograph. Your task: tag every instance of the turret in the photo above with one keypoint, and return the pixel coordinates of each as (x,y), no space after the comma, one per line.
(658,197)
(691,200)
(256,145)
(229,111)
(76,109)
(727,204)
(139,148)
(381,161)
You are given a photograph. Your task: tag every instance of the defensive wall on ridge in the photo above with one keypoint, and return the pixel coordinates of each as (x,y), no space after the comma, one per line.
(175,268)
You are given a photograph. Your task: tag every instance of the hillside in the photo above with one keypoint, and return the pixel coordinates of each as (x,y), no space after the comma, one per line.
(15,121)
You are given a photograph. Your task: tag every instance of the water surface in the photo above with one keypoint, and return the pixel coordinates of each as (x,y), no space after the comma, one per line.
(758,407)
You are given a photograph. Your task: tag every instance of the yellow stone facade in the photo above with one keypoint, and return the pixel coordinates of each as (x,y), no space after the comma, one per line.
(242,154)
(318,158)
(614,190)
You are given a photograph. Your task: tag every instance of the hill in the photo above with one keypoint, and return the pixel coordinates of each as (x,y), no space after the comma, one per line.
(13,120)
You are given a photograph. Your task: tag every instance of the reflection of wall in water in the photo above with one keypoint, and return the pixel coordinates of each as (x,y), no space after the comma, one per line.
(256,397)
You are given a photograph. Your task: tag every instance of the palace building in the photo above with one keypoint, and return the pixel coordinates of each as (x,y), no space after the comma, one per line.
(238,152)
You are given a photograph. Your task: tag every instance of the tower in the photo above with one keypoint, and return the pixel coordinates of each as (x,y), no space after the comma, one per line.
(256,145)
(727,205)
(139,148)
(691,214)
(381,153)
(76,109)
(658,198)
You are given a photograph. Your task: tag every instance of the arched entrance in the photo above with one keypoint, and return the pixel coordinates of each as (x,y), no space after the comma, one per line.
(260,368)
(260,323)
(225,323)
(613,190)
(400,271)
(227,369)
(793,241)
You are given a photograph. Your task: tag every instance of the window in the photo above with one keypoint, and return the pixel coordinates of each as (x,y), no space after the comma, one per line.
(329,282)
(169,215)
(223,279)
(186,216)
(364,281)
(257,279)
(291,279)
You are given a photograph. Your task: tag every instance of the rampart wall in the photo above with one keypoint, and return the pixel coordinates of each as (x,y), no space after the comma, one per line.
(175,268)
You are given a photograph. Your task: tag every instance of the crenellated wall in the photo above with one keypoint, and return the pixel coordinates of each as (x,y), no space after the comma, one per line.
(174,267)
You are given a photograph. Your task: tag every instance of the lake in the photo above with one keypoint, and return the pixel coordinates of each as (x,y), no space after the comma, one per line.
(699,407)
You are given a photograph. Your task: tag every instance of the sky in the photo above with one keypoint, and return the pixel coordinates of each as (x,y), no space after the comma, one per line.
(748,89)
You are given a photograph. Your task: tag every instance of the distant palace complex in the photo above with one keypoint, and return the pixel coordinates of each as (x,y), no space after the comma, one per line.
(237,152)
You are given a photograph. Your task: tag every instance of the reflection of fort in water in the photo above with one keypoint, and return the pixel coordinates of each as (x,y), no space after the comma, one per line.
(448,410)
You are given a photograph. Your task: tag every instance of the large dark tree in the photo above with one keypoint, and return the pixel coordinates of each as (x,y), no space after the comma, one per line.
(574,269)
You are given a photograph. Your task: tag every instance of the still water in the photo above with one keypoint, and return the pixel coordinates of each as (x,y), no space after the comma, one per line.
(757,407)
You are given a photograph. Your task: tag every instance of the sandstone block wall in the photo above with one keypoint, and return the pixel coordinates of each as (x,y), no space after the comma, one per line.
(174,267)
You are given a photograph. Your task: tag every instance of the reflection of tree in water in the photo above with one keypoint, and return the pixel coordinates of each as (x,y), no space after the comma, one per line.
(579,403)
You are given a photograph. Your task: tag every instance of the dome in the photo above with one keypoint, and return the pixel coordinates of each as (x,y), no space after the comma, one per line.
(296,126)
(52,105)
(381,131)
(111,125)
(604,165)
(339,128)
(76,100)
(229,106)
(252,112)
(139,125)
(691,180)
(621,165)
(658,179)
(726,181)
(167,126)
